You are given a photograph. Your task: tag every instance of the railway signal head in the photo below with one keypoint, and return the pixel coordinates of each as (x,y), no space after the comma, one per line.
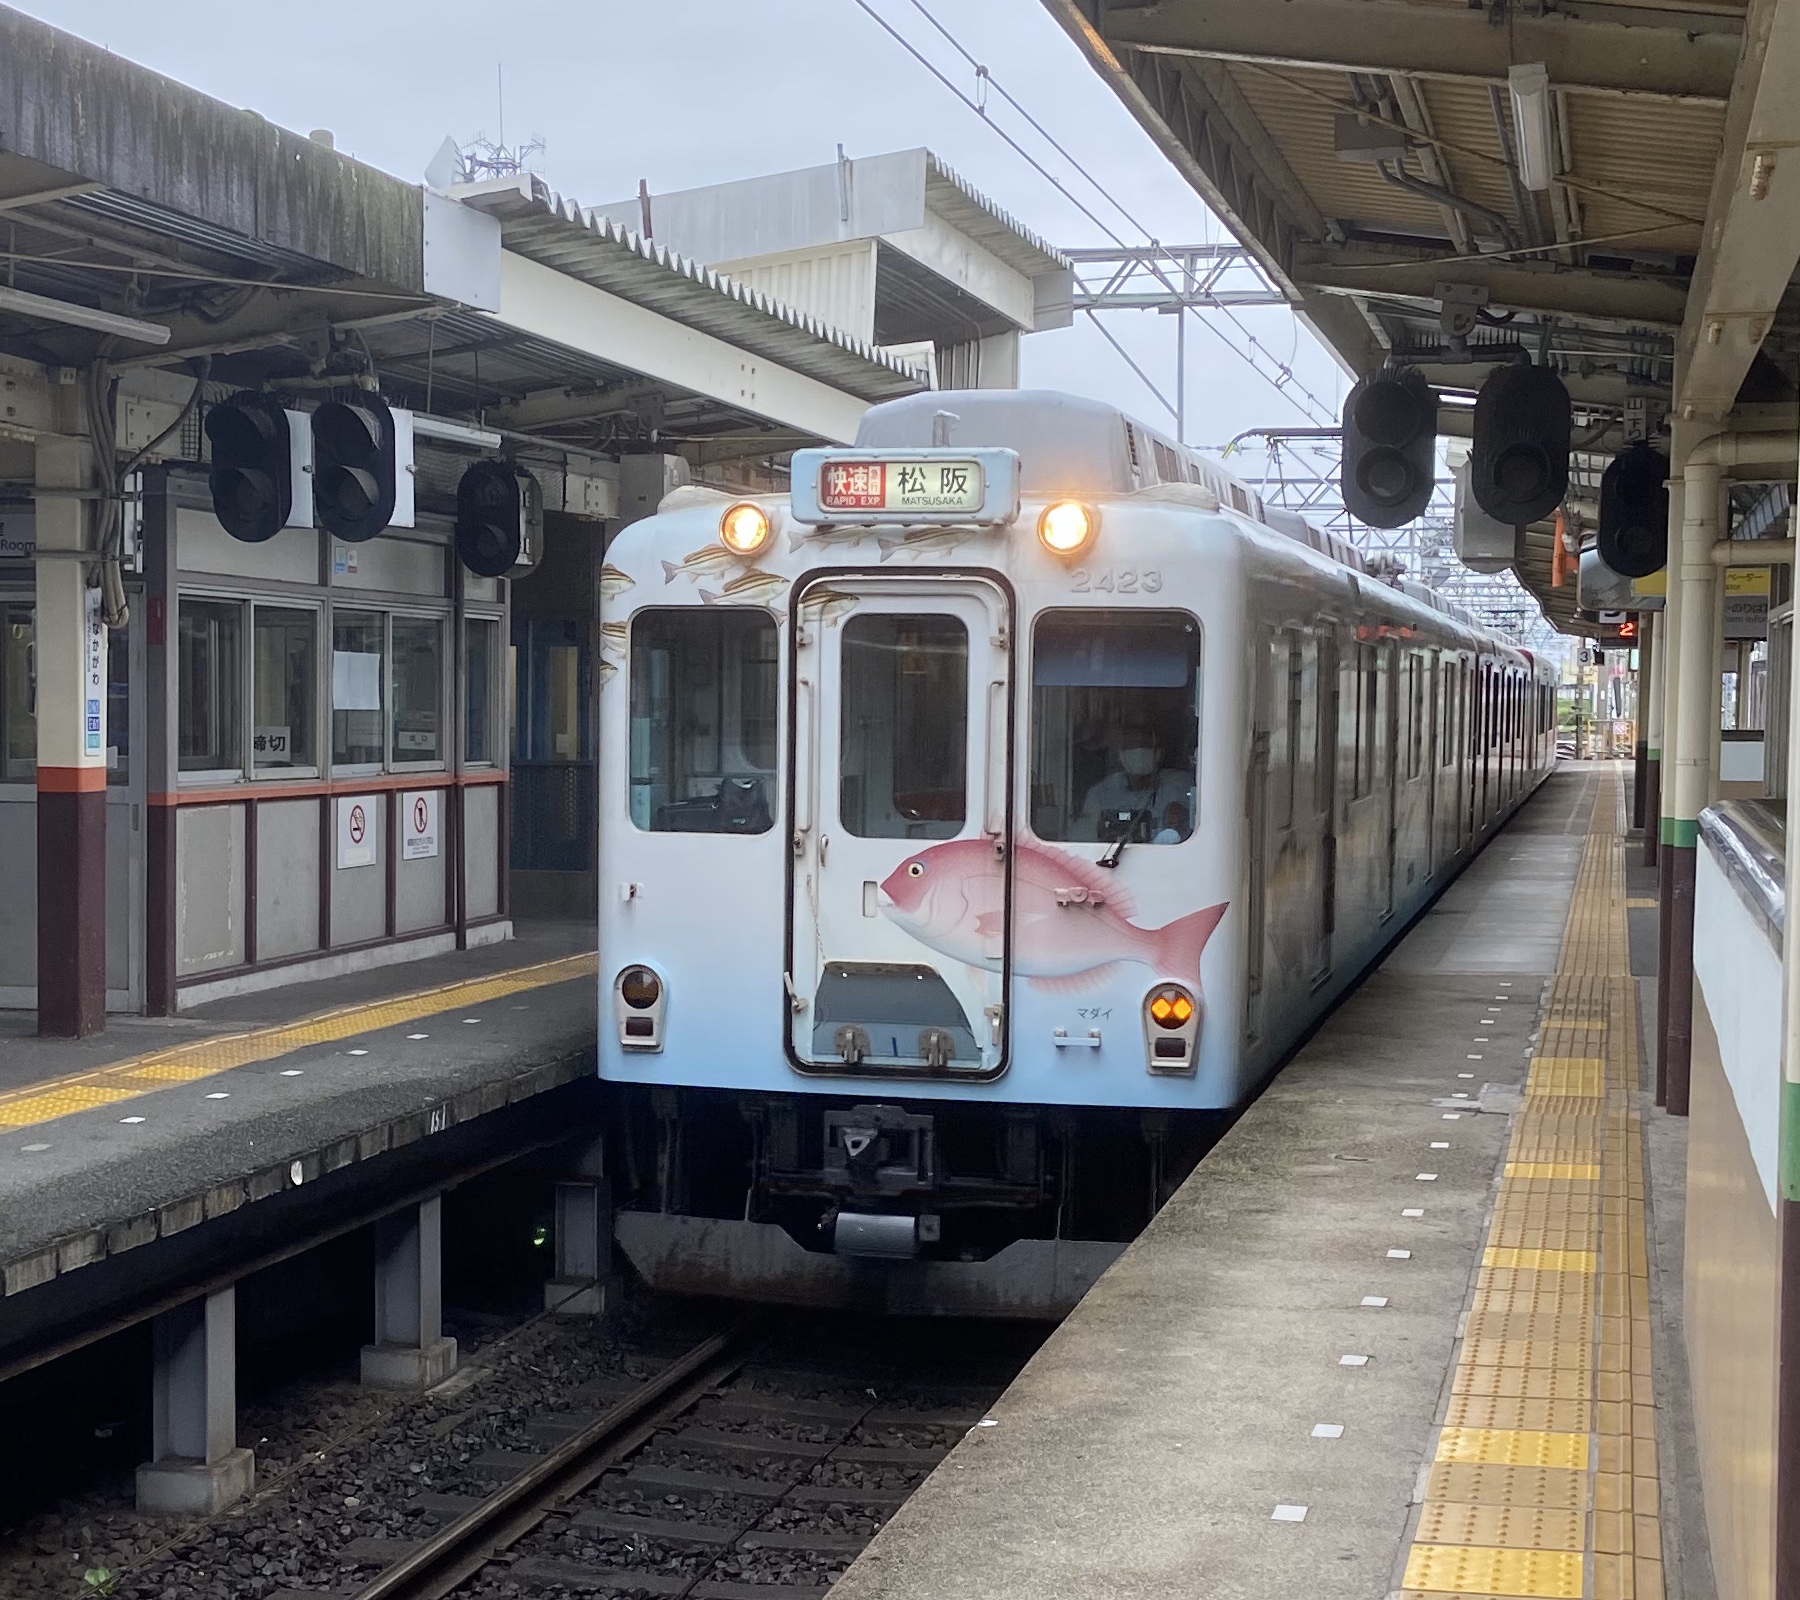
(1634,512)
(261,455)
(1519,457)
(499,518)
(355,467)
(1390,447)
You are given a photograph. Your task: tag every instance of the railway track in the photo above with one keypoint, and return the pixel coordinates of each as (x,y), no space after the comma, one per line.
(735,1472)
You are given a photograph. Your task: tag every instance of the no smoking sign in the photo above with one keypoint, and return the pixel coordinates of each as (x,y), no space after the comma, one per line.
(357,831)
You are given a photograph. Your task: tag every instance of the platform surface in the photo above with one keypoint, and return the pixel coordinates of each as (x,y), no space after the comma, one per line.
(116,1141)
(1392,1337)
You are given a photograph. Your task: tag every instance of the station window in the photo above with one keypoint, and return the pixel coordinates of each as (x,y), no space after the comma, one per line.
(284,687)
(358,656)
(1114,726)
(209,686)
(903,730)
(481,643)
(703,719)
(418,691)
(18,693)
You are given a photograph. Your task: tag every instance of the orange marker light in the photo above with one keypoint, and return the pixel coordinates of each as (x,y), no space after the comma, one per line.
(1171,1008)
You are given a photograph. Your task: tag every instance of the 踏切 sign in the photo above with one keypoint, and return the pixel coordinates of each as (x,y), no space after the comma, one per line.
(419,824)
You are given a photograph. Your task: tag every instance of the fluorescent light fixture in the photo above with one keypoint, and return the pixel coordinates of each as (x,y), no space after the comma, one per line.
(1530,89)
(452,432)
(38,305)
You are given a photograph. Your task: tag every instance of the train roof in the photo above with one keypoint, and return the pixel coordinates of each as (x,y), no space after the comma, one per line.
(1068,444)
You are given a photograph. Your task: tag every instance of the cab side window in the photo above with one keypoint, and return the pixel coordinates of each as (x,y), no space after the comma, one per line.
(1115,726)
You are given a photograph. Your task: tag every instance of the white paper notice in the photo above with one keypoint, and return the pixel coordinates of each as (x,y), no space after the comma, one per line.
(355,681)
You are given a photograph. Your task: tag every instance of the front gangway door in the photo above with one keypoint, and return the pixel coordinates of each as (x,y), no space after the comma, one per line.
(899,942)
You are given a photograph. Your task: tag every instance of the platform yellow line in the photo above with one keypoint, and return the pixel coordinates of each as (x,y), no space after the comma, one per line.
(119,1081)
(1558,1331)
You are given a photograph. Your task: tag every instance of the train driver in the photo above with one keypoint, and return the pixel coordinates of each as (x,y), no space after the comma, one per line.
(1141,798)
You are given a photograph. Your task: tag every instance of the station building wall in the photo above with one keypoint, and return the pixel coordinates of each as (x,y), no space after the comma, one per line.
(307,752)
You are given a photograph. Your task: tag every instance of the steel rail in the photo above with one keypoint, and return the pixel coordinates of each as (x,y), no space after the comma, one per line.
(456,1553)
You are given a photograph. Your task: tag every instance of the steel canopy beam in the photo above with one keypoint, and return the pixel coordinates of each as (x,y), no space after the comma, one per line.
(1691,58)
(1606,299)
(1751,242)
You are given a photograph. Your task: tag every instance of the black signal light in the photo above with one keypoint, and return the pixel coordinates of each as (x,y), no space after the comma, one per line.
(1389,461)
(499,515)
(1519,457)
(354,467)
(252,477)
(1634,512)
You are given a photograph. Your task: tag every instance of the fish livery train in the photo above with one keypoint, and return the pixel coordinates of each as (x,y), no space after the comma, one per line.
(980,824)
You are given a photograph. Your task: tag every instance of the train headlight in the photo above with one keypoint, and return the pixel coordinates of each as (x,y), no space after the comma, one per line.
(1171,1030)
(744,528)
(638,1008)
(1066,528)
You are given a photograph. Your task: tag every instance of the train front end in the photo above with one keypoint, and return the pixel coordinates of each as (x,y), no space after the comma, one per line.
(917,855)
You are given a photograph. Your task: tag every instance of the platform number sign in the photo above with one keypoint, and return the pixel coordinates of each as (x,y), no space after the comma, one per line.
(93,681)
(356,830)
(419,813)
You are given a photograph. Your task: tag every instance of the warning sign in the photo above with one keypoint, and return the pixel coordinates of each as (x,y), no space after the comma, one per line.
(419,836)
(356,831)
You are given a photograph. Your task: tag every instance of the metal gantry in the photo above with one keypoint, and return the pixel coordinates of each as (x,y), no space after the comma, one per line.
(1295,468)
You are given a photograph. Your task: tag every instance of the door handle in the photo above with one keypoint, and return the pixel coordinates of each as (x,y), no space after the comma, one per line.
(805,764)
(993,782)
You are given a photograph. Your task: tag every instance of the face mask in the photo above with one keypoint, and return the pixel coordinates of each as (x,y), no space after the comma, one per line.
(1138,763)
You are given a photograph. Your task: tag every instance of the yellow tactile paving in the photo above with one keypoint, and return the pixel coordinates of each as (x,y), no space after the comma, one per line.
(203,1058)
(1544,1478)
(1469,1569)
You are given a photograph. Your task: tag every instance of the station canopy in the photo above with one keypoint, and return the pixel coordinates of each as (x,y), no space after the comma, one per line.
(1603,186)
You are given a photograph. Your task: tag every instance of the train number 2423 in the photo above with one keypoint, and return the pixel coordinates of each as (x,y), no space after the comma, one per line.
(1115,580)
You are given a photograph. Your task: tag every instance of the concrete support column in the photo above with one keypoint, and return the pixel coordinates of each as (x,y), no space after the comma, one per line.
(1650,688)
(70,651)
(410,1349)
(584,1225)
(584,1283)
(196,1467)
(1695,750)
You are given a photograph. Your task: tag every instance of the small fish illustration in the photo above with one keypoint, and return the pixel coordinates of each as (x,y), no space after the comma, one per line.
(925,541)
(614,635)
(605,671)
(829,604)
(701,563)
(802,537)
(747,588)
(1072,922)
(613,582)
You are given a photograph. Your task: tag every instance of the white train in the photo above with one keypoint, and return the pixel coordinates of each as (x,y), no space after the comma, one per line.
(983,822)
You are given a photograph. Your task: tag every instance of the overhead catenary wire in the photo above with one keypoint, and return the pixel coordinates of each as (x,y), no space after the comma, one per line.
(1282,380)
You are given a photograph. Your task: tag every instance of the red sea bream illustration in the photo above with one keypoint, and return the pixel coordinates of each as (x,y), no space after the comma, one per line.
(1072,920)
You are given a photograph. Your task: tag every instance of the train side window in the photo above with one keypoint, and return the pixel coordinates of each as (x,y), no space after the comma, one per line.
(1115,726)
(703,714)
(904,727)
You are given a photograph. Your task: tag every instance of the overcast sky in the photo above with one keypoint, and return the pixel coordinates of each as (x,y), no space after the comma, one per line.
(686,92)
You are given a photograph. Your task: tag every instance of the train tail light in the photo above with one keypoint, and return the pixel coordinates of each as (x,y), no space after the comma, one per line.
(1171,1030)
(638,998)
